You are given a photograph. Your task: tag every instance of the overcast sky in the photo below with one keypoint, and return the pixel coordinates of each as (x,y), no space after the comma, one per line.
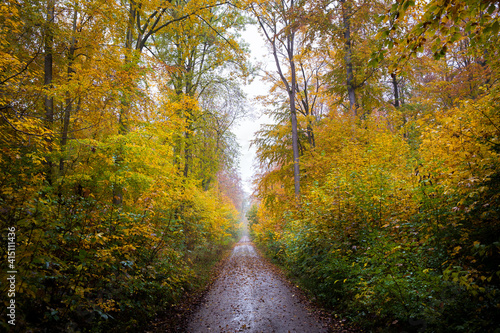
(246,128)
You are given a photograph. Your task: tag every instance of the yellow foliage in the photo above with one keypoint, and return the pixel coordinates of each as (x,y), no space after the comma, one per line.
(458,150)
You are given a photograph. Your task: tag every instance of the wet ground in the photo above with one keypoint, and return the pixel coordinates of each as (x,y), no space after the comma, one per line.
(250,297)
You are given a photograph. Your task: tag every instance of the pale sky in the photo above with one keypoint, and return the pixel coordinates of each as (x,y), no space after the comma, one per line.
(247,127)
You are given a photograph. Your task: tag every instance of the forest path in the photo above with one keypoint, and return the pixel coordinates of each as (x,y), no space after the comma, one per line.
(250,297)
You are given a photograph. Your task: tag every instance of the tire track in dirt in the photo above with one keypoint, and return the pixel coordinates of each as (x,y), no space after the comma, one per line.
(249,297)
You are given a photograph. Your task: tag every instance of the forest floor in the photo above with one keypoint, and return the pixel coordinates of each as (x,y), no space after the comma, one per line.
(251,295)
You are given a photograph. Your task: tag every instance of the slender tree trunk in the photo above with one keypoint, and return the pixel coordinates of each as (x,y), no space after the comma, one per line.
(125,104)
(187,150)
(123,121)
(64,135)
(177,148)
(397,99)
(188,145)
(395,89)
(310,135)
(47,79)
(351,89)
(271,33)
(69,102)
(308,109)
(293,113)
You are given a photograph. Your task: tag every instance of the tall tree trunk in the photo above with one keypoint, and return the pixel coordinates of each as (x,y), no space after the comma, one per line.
(272,35)
(397,101)
(125,103)
(395,89)
(293,113)
(190,91)
(187,149)
(69,101)
(308,108)
(310,135)
(351,89)
(123,121)
(47,79)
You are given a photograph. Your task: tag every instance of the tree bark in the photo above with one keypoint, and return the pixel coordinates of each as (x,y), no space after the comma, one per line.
(47,79)
(272,33)
(187,149)
(125,104)
(351,88)
(308,108)
(293,114)
(395,89)
(123,121)
(69,101)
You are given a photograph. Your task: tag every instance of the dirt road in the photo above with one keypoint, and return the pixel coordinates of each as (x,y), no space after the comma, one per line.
(250,297)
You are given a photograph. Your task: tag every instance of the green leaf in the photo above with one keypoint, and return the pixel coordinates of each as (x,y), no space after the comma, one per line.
(495,28)
(468,27)
(394,7)
(491,8)
(407,4)
(382,34)
(456,36)
(433,9)
(379,18)
(373,62)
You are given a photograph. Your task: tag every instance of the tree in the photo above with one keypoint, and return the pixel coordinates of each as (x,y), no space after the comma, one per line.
(205,59)
(311,66)
(351,89)
(279,22)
